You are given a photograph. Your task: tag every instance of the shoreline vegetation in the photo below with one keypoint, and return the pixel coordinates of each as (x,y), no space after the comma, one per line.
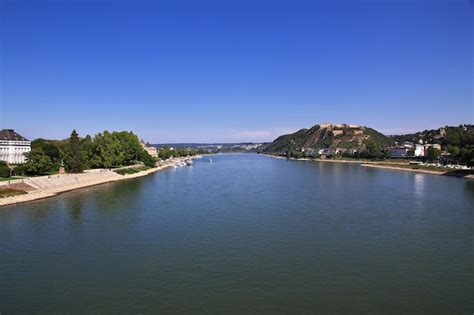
(389,165)
(35,188)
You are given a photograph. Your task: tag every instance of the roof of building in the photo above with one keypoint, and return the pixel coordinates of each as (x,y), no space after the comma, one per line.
(10,134)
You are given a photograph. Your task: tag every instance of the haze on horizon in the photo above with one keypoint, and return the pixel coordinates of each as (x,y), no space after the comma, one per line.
(233,71)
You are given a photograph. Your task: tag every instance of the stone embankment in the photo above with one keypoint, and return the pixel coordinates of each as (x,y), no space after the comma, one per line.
(48,186)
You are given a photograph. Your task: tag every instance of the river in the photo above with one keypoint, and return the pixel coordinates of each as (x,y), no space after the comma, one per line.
(245,234)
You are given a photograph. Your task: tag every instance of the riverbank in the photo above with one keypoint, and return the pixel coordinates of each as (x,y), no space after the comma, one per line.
(49,186)
(318,160)
(468,174)
(406,169)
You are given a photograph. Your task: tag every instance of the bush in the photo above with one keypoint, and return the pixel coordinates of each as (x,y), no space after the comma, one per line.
(20,170)
(38,163)
(4,170)
(147,159)
(10,192)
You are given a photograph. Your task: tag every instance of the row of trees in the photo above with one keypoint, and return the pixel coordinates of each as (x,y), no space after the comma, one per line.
(167,152)
(104,150)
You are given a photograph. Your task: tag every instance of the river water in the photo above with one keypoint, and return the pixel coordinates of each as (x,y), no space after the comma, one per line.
(245,234)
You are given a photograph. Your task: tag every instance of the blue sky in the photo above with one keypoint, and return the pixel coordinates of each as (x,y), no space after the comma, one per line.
(227,71)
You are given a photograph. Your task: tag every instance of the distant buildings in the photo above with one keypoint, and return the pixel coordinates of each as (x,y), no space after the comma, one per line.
(150,149)
(408,149)
(401,152)
(421,150)
(326,152)
(13,147)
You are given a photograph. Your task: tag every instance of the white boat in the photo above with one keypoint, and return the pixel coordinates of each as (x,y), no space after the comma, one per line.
(189,162)
(210,160)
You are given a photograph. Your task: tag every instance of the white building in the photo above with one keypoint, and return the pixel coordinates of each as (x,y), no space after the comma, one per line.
(422,149)
(419,150)
(13,147)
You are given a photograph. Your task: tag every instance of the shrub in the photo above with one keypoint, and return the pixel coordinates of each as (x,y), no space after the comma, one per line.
(4,170)
(20,170)
(10,192)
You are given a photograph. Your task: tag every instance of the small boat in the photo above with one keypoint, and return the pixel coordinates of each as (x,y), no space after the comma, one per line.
(210,160)
(189,162)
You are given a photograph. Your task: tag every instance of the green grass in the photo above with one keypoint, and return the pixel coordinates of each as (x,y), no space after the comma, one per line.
(5,179)
(418,167)
(10,192)
(131,170)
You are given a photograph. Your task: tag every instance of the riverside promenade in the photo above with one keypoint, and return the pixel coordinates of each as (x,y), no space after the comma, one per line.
(48,186)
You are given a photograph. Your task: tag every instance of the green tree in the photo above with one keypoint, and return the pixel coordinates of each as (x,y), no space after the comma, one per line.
(434,154)
(373,150)
(467,155)
(165,153)
(147,159)
(130,147)
(454,150)
(109,149)
(50,148)
(4,169)
(89,154)
(37,162)
(20,170)
(74,159)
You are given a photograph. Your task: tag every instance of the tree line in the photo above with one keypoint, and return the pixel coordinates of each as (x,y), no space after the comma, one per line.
(104,150)
(167,152)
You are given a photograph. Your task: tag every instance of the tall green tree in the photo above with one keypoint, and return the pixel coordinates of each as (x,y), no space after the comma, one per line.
(89,154)
(74,159)
(109,149)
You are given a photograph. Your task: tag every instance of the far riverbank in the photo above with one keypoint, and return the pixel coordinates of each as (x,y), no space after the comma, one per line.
(468,174)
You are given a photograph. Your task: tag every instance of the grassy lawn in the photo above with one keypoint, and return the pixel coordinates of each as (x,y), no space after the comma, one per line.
(4,179)
(131,170)
(10,192)
(429,168)
(418,167)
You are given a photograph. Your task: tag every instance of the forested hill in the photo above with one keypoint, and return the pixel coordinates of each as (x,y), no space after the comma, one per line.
(331,136)
(448,137)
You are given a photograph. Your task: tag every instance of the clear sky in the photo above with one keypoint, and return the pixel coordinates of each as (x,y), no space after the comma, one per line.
(227,71)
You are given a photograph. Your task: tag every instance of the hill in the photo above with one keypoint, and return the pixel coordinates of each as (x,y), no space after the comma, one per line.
(448,136)
(339,138)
